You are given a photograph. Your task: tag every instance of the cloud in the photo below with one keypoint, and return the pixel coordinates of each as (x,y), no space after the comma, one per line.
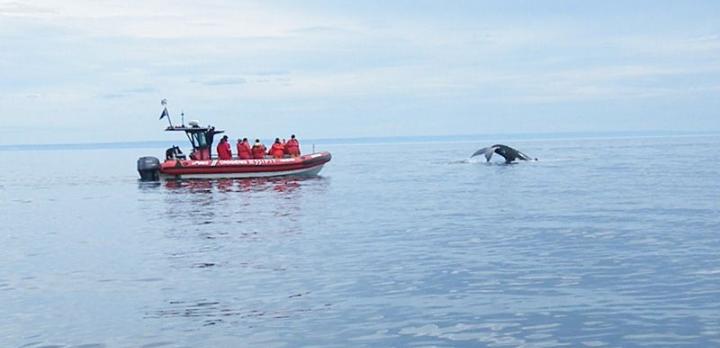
(678,46)
(156,19)
(19,9)
(225,81)
(326,59)
(320,30)
(128,92)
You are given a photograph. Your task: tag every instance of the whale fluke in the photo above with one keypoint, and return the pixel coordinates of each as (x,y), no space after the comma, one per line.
(487,151)
(505,151)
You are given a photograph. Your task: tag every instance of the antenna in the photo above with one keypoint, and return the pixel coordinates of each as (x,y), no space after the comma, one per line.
(182,118)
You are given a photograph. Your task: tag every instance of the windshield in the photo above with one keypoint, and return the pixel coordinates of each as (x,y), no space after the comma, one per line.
(200,139)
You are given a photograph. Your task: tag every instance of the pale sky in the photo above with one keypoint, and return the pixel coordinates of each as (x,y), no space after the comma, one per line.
(95,71)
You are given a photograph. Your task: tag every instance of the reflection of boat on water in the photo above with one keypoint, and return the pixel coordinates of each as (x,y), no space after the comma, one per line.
(277,184)
(202,164)
(239,202)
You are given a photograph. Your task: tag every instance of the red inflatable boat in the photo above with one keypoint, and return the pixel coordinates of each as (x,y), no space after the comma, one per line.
(202,164)
(305,165)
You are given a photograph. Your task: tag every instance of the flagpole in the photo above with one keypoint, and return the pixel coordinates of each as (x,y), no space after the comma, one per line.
(165,112)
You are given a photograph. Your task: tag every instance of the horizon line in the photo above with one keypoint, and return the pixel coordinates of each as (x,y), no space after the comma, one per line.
(393,139)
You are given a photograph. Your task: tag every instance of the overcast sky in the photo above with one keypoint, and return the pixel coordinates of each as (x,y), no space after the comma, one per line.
(95,71)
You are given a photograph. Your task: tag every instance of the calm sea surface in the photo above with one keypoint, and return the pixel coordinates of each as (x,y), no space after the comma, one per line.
(601,243)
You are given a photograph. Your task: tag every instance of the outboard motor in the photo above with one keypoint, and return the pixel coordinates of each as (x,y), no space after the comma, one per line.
(149,168)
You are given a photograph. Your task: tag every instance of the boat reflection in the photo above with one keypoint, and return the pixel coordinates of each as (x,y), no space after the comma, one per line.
(148,185)
(246,202)
(247,228)
(240,185)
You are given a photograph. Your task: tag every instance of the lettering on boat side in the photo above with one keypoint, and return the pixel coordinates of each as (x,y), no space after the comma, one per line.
(200,163)
(234,162)
(257,162)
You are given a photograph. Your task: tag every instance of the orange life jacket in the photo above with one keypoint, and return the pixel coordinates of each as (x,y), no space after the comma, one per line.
(277,150)
(293,147)
(223,151)
(258,151)
(244,151)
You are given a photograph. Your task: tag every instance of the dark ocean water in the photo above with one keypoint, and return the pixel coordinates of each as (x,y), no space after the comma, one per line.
(601,243)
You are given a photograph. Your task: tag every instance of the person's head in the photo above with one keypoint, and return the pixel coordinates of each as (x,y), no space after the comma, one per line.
(277,140)
(239,140)
(245,139)
(292,136)
(257,141)
(224,138)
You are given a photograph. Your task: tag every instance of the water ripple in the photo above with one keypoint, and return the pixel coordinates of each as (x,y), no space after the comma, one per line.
(589,248)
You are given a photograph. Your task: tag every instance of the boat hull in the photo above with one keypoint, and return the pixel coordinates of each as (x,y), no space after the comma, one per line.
(306,165)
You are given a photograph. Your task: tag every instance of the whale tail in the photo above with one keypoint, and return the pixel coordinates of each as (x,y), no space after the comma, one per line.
(487,151)
(505,151)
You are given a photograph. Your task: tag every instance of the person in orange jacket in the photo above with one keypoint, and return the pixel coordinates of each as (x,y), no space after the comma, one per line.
(243,149)
(223,149)
(258,150)
(277,150)
(292,147)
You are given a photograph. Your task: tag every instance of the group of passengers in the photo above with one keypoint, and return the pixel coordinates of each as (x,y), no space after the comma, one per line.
(279,149)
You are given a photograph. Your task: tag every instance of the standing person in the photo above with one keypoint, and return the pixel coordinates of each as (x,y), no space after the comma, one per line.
(277,150)
(258,150)
(243,149)
(223,149)
(293,146)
